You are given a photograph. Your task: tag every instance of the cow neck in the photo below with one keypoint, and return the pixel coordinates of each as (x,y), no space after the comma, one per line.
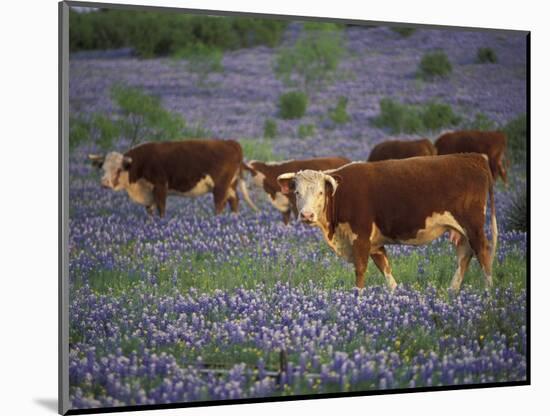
(329,215)
(270,182)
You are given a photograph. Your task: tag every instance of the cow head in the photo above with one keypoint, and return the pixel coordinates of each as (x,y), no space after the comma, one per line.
(312,190)
(115,169)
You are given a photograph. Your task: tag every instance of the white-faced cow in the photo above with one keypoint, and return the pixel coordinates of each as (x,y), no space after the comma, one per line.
(361,207)
(402,149)
(152,171)
(490,143)
(264,175)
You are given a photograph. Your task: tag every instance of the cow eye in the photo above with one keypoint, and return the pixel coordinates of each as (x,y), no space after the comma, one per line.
(296,192)
(321,193)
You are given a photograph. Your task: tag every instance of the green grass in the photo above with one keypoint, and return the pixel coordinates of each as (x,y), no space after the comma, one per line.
(403,31)
(516,131)
(486,56)
(202,272)
(258,149)
(292,105)
(153,34)
(414,118)
(434,65)
(270,129)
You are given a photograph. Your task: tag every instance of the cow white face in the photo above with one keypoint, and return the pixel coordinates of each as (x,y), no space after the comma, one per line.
(310,188)
(115,171)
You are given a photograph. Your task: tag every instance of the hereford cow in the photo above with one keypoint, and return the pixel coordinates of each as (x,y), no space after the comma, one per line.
(402,149)
(361,207)
(264,175)
(152,171)
(490,143)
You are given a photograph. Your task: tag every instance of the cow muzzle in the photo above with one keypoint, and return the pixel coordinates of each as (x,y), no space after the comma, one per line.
(105,184)
(307,217)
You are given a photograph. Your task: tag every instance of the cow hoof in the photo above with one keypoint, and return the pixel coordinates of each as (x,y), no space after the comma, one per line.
(359,290)
(454,289)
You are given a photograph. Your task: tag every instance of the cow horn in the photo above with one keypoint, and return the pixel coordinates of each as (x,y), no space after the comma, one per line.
(97,160)
(333,182)
(290,175)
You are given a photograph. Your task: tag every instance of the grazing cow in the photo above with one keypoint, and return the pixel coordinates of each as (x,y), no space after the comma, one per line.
(152,171)
(402,149)
(490,143)
(264,175)
(361,207)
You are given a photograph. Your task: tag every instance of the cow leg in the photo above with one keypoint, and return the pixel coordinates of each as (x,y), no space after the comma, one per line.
(233,197)
(220,197)
(502,171)
(286,217)
(380,258)
(464,254)
(159,195)
(150,210)
(480,246)
(361,249)
(234,204)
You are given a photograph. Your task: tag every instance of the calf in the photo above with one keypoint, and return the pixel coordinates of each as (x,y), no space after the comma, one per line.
(264,175)
(361,207)
(152,171)
(490,143)
(402,149)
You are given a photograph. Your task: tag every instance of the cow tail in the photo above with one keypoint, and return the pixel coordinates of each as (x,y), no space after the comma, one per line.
(243,188)
(494,226)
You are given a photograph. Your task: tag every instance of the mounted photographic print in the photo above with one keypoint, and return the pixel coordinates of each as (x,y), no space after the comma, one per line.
(265,208)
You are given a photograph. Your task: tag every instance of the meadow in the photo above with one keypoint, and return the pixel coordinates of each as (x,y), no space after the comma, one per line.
(197,307)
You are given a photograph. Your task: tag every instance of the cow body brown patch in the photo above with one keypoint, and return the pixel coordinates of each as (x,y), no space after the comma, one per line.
(152,171)
(409,201)
(182,167)
(490,143)
(401,149)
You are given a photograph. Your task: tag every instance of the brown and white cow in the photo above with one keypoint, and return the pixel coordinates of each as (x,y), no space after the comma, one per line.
(490,143)
(264,175)
(151,171)
(361,207)
(402,149)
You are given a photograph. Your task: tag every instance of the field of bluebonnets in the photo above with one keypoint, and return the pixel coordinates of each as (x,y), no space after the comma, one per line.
(196,307)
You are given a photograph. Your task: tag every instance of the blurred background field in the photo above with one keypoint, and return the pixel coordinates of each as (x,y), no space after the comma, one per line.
(154,301)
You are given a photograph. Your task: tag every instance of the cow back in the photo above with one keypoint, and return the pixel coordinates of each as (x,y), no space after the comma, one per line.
(398,195)
(181,164)
(491,143)
(401,149)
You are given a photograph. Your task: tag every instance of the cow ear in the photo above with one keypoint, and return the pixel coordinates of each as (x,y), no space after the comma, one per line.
(126,162)
(286,182)
(332,182)
(97,160)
